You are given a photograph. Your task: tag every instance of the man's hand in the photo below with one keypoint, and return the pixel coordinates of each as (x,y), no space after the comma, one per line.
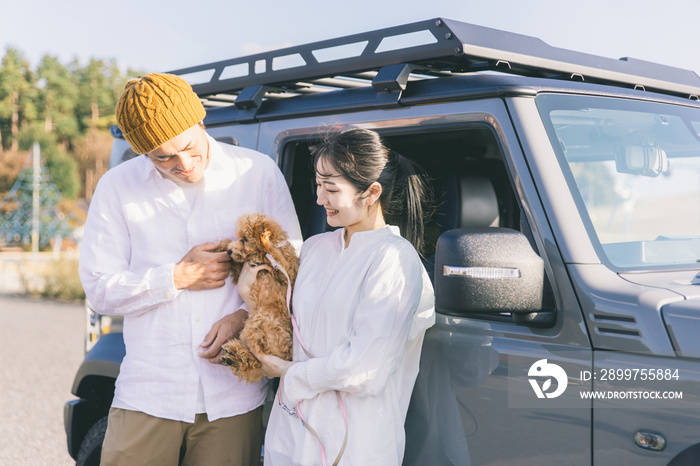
(201,268)
(222,331)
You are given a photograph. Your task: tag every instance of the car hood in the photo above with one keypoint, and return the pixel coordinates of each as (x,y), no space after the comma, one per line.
(682,318)
(677,281)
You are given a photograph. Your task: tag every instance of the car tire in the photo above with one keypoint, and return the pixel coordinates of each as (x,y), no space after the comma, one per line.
(91,448)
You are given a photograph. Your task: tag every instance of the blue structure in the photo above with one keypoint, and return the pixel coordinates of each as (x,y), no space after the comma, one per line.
(16,211)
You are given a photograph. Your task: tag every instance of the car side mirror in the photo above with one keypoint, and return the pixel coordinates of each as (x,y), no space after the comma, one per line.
(487,271)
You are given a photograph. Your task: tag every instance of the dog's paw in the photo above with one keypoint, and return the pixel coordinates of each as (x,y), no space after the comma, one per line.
(250,368)
(241,361)
(231,355)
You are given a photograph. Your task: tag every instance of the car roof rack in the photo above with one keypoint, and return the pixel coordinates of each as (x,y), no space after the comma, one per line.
(388,58)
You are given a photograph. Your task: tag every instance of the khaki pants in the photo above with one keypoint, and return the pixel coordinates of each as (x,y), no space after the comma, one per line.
(135,438)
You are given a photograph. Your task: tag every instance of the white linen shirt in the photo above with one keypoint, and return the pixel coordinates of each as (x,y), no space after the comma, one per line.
(362,312)
(139,225)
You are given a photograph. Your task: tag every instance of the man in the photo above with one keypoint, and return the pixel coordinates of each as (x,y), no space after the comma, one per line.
(148,254)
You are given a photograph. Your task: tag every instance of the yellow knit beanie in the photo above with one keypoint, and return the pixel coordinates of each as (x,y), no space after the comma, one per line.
(155,108)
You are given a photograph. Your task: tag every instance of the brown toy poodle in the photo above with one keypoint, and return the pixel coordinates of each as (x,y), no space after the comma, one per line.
(268,329)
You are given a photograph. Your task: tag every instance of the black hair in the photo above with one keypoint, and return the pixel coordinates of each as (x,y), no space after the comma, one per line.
(362,158)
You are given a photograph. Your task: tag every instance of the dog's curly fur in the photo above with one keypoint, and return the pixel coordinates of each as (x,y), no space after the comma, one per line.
(268,329)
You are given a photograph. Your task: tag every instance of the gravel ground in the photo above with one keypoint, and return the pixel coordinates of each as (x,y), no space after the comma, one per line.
(41,347)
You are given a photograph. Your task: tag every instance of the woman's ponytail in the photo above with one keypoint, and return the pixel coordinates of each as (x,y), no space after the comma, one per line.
(410,203)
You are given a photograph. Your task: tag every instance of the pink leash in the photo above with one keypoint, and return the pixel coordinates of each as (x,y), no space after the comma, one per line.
(296,411)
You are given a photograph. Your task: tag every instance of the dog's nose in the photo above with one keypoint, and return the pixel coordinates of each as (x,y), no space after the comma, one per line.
(229,251)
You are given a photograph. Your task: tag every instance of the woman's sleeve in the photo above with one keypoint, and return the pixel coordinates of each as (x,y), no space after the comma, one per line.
(104,262)
(380,330)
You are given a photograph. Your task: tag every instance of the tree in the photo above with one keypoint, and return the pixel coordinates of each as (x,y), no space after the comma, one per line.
(57,99)
(95,96)
(92,153)
(16,93)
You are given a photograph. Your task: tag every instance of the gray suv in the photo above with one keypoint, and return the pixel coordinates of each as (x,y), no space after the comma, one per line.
(564,249)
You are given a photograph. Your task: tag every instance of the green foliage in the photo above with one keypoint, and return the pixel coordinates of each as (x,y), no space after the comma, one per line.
(16,92)
(62,167)
(58,98)
(64,172)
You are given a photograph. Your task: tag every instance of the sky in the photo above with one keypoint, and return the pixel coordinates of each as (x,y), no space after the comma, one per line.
(165,35)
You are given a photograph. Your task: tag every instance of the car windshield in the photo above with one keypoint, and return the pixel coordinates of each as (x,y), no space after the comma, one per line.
(634,170)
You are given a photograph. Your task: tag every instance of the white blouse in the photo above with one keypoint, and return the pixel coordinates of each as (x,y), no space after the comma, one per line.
(362,312)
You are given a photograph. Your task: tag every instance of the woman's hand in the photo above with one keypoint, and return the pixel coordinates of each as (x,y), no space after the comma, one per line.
(273,366)
(246,279)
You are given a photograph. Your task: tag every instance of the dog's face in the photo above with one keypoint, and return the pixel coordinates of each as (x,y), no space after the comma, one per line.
(257,235)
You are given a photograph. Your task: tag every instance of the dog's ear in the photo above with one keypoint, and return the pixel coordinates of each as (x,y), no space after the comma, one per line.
(265,239)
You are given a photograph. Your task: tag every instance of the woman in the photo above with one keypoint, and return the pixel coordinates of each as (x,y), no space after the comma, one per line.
(362,301)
